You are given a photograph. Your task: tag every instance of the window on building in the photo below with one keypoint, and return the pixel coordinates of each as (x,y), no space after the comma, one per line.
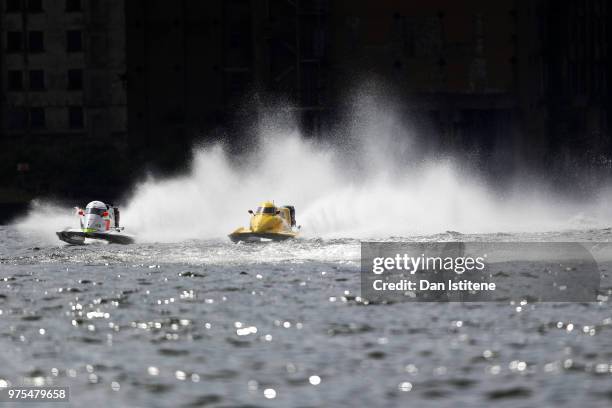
(37,118)
(74,41)
(15,80)
(73,5)
(75,79)
(13,6)
(17,118)
(14,41)
(35,41)
(35,6)
(37,80)
(75,117)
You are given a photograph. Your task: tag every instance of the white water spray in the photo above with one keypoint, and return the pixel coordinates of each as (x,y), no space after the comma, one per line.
(376,188)
(377,202)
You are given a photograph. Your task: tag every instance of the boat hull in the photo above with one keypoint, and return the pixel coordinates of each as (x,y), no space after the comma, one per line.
(260,236)
(77,237)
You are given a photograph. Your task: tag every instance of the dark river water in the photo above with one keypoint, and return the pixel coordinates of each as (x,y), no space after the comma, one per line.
(210,323)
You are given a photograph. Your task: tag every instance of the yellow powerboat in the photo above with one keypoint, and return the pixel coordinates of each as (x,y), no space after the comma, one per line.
(268,223)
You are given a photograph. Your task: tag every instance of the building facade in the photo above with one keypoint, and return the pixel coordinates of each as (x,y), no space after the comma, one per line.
(63,68)
(196,67)
(63,106)
(517,82)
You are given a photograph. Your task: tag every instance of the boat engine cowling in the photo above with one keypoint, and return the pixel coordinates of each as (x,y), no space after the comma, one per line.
(117,216)
(291,213)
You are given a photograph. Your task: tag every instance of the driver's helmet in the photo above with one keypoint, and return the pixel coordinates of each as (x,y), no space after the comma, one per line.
(96,204)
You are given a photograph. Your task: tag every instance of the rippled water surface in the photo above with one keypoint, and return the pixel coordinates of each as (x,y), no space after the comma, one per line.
(210,323)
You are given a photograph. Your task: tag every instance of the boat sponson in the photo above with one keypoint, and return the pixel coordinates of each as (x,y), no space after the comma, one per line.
(257,236)
(78,237)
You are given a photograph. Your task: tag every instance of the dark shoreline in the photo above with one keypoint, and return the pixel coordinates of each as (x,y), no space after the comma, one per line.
(10,211)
